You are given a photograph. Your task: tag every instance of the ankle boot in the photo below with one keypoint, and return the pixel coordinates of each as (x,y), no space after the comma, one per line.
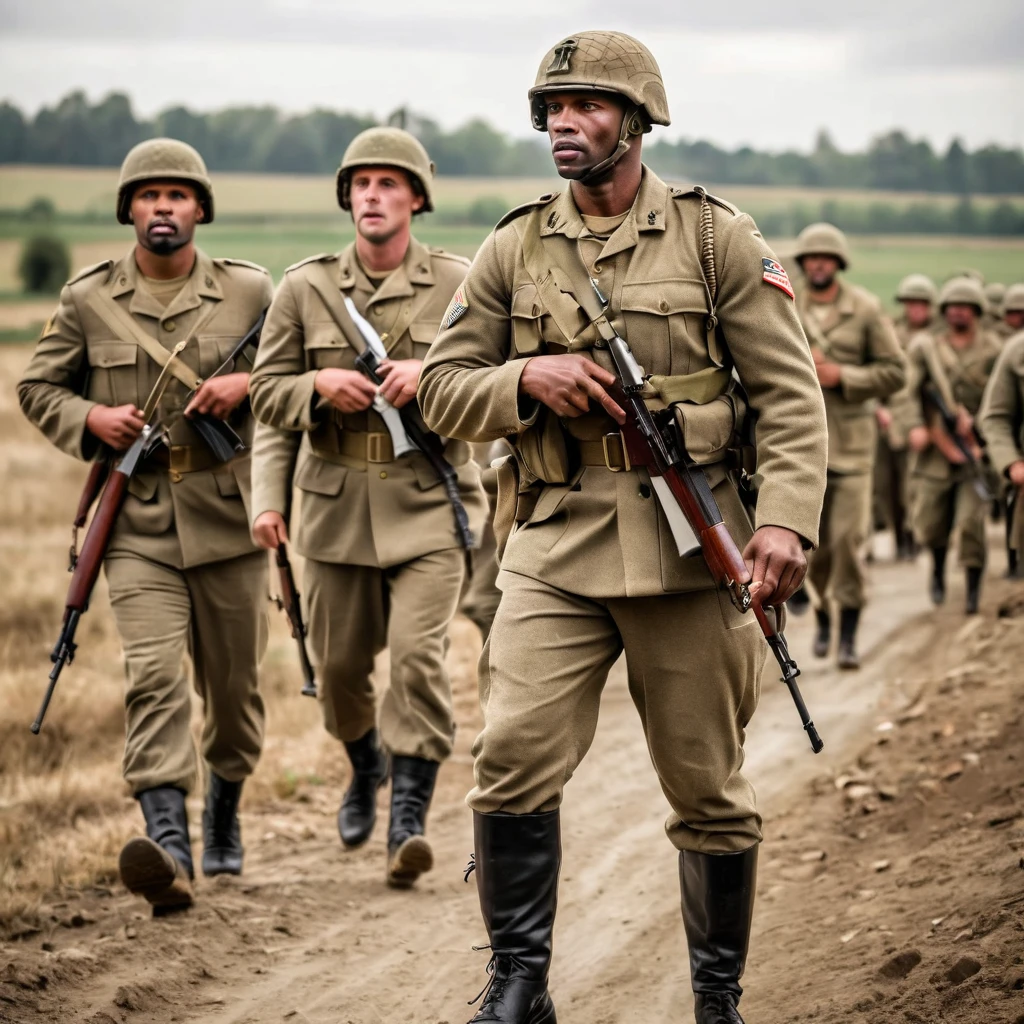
(159,866)
(718,904)
(848,620)
(412,787)
(358,812)
(823,638)
(973,589)
(938,586)
(517,861)
(222,834)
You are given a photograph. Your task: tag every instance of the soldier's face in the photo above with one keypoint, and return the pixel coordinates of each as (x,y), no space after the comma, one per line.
(820,270)
(1014,318)
(383,202)
(165,215)
(960,316)
(917,312)
(584,129)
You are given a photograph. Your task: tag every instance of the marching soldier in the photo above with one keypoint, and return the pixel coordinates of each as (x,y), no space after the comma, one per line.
(183,573)
(995,292)
(383,563)
(858,359)
(1013,313)
(590,568)
(951,367)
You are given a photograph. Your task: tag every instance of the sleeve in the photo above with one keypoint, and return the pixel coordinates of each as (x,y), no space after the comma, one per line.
(773,362)
(274,454)
(917,371)
(469,389)
(280,386)
(51,390)
(884,370)
(1001,414)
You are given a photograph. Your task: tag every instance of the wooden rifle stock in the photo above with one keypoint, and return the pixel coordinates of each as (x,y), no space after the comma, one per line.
(98,473)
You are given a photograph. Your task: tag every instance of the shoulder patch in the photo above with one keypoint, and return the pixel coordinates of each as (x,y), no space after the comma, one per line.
(519,211)
(323,257)
(89,271)
(458,306)
(224,261)
(696,192)
(773,272)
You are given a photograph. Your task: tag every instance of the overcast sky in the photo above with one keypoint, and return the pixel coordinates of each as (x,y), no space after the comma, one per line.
(768,74)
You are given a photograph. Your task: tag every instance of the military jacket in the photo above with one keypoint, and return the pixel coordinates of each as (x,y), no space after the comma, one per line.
(601,533)
(860,338)
(353,511)
(901,403)
(174,513)
(1001,418)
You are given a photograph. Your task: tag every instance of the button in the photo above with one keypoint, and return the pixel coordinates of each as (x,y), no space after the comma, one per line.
(209,282)
(377,311)
(169,325)
(122,279)
(383,474)
(663,306)
(645,491)
(598,268)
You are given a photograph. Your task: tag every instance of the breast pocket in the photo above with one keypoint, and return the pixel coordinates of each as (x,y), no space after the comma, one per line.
(666,323)
(113,378)
(846,345)
(422,334)
(214,349)
(326,346)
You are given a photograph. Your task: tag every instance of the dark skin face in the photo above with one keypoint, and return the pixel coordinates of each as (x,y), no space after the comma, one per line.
(820,271)
(1014,318)
(165,215)
(961,318)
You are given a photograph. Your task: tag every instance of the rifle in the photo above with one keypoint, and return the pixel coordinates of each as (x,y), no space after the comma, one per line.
(407,429)
(933,395)
(288,602)
(655,441)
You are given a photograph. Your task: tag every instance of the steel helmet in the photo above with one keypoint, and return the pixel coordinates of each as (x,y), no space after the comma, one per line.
(962,291)
(823,240)
(163,160)
(917,287)
(388,147)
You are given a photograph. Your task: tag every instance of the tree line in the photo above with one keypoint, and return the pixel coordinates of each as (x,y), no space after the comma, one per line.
(263,139)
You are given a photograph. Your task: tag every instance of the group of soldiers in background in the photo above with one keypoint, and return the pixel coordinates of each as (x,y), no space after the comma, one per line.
(141,341)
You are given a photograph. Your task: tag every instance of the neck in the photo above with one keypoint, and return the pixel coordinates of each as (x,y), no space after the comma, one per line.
(383,257)
(612,197)
(163,268)
(962,337)
(827,294)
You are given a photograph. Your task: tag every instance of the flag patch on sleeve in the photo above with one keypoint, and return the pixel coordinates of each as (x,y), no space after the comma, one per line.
(775,273)
(456,308)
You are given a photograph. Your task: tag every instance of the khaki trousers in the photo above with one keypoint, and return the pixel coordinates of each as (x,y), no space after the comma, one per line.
(355,611)
(945,507)
(694,667)
(217,613)
(836,569)
(891,499)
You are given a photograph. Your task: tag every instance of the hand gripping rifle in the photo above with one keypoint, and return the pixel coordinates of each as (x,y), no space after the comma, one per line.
(654,440)
(932,394)
(288,602)
(407,429)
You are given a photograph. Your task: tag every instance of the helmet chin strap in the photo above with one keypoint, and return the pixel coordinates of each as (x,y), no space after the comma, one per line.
(633,123)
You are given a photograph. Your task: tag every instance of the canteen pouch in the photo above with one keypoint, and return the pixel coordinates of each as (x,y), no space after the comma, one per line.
(712,430)
(544,449)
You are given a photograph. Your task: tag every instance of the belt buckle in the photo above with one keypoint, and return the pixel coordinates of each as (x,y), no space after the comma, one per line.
(378,447)
(621,446)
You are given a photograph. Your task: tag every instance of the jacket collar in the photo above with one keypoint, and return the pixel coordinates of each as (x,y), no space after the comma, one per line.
(844,306)
(202,284)
(415,269)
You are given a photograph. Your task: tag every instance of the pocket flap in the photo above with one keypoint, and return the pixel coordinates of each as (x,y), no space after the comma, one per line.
(324,335)
(143,486)
(105,354)
(665,297)
(424,332)
(526,302)
(708,430)
(318,476)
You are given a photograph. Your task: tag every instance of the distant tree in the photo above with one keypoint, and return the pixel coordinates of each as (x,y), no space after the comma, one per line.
(45,264)
(293,147)
(13,134)
(955,170)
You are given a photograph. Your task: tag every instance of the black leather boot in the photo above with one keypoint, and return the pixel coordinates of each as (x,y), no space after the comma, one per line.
(718,904)
(823,637)
(517,861)
(848,656)
(973,588)
(159,866)
(938,586)
(412,787)
(358,812)
(222,834)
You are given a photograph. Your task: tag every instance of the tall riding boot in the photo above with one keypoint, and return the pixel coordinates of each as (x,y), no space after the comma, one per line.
(358,812)
(412,786)
(823,637)
(222,834)
(973,589)
(848,620)
(517,861)
(718,904)
(159,867)
(938,588)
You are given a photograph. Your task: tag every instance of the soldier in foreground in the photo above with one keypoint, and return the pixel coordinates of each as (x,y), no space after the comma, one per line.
(857,357)
(183,574)
(948,373)
(590,568)
(384,567)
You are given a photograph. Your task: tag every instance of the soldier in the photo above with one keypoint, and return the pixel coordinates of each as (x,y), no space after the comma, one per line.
(1013,313)
(182,571)
(591,569)
(383,564)
(957,363)
(858,359)
(917,295)
(994,295)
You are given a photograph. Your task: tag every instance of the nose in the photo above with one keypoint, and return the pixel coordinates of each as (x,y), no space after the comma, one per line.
(562,122)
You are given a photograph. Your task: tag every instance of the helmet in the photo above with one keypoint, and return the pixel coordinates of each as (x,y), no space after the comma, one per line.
(994,293)
(966,291)
(822,240)
(388,147)
(602,62)
(158,160)
(1013,300)
(917,287)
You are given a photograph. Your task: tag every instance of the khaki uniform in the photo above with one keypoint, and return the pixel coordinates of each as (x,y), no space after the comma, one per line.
(944,500)
(590,567)
(856,334)
(183,573)
(1001,421)
(383,565)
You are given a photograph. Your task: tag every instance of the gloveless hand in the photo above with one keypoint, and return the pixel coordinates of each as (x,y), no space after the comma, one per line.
(116,426)
(269,531)
(219,396)
(1016,473)
(567,383)
(776,561)
(401,376)
(346,390)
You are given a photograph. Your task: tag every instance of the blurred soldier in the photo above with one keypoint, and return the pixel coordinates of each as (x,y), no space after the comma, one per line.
(383,564)
(1013,313)
(994,294)
(917,295)
(183,573)
(956,362)
(858,358)
(591,569)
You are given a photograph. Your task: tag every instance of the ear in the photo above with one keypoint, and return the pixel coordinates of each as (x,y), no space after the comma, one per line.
(417,203)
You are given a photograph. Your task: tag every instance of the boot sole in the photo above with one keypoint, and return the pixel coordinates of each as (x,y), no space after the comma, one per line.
(149,871)
(412,859)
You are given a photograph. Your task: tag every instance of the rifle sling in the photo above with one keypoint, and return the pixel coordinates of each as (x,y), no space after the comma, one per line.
(937,372)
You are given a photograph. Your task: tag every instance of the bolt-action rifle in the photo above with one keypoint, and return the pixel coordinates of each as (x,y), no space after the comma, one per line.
(288,602)
(932,394)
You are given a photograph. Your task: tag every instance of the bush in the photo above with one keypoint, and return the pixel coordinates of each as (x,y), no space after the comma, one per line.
(45,264)
(40,210)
